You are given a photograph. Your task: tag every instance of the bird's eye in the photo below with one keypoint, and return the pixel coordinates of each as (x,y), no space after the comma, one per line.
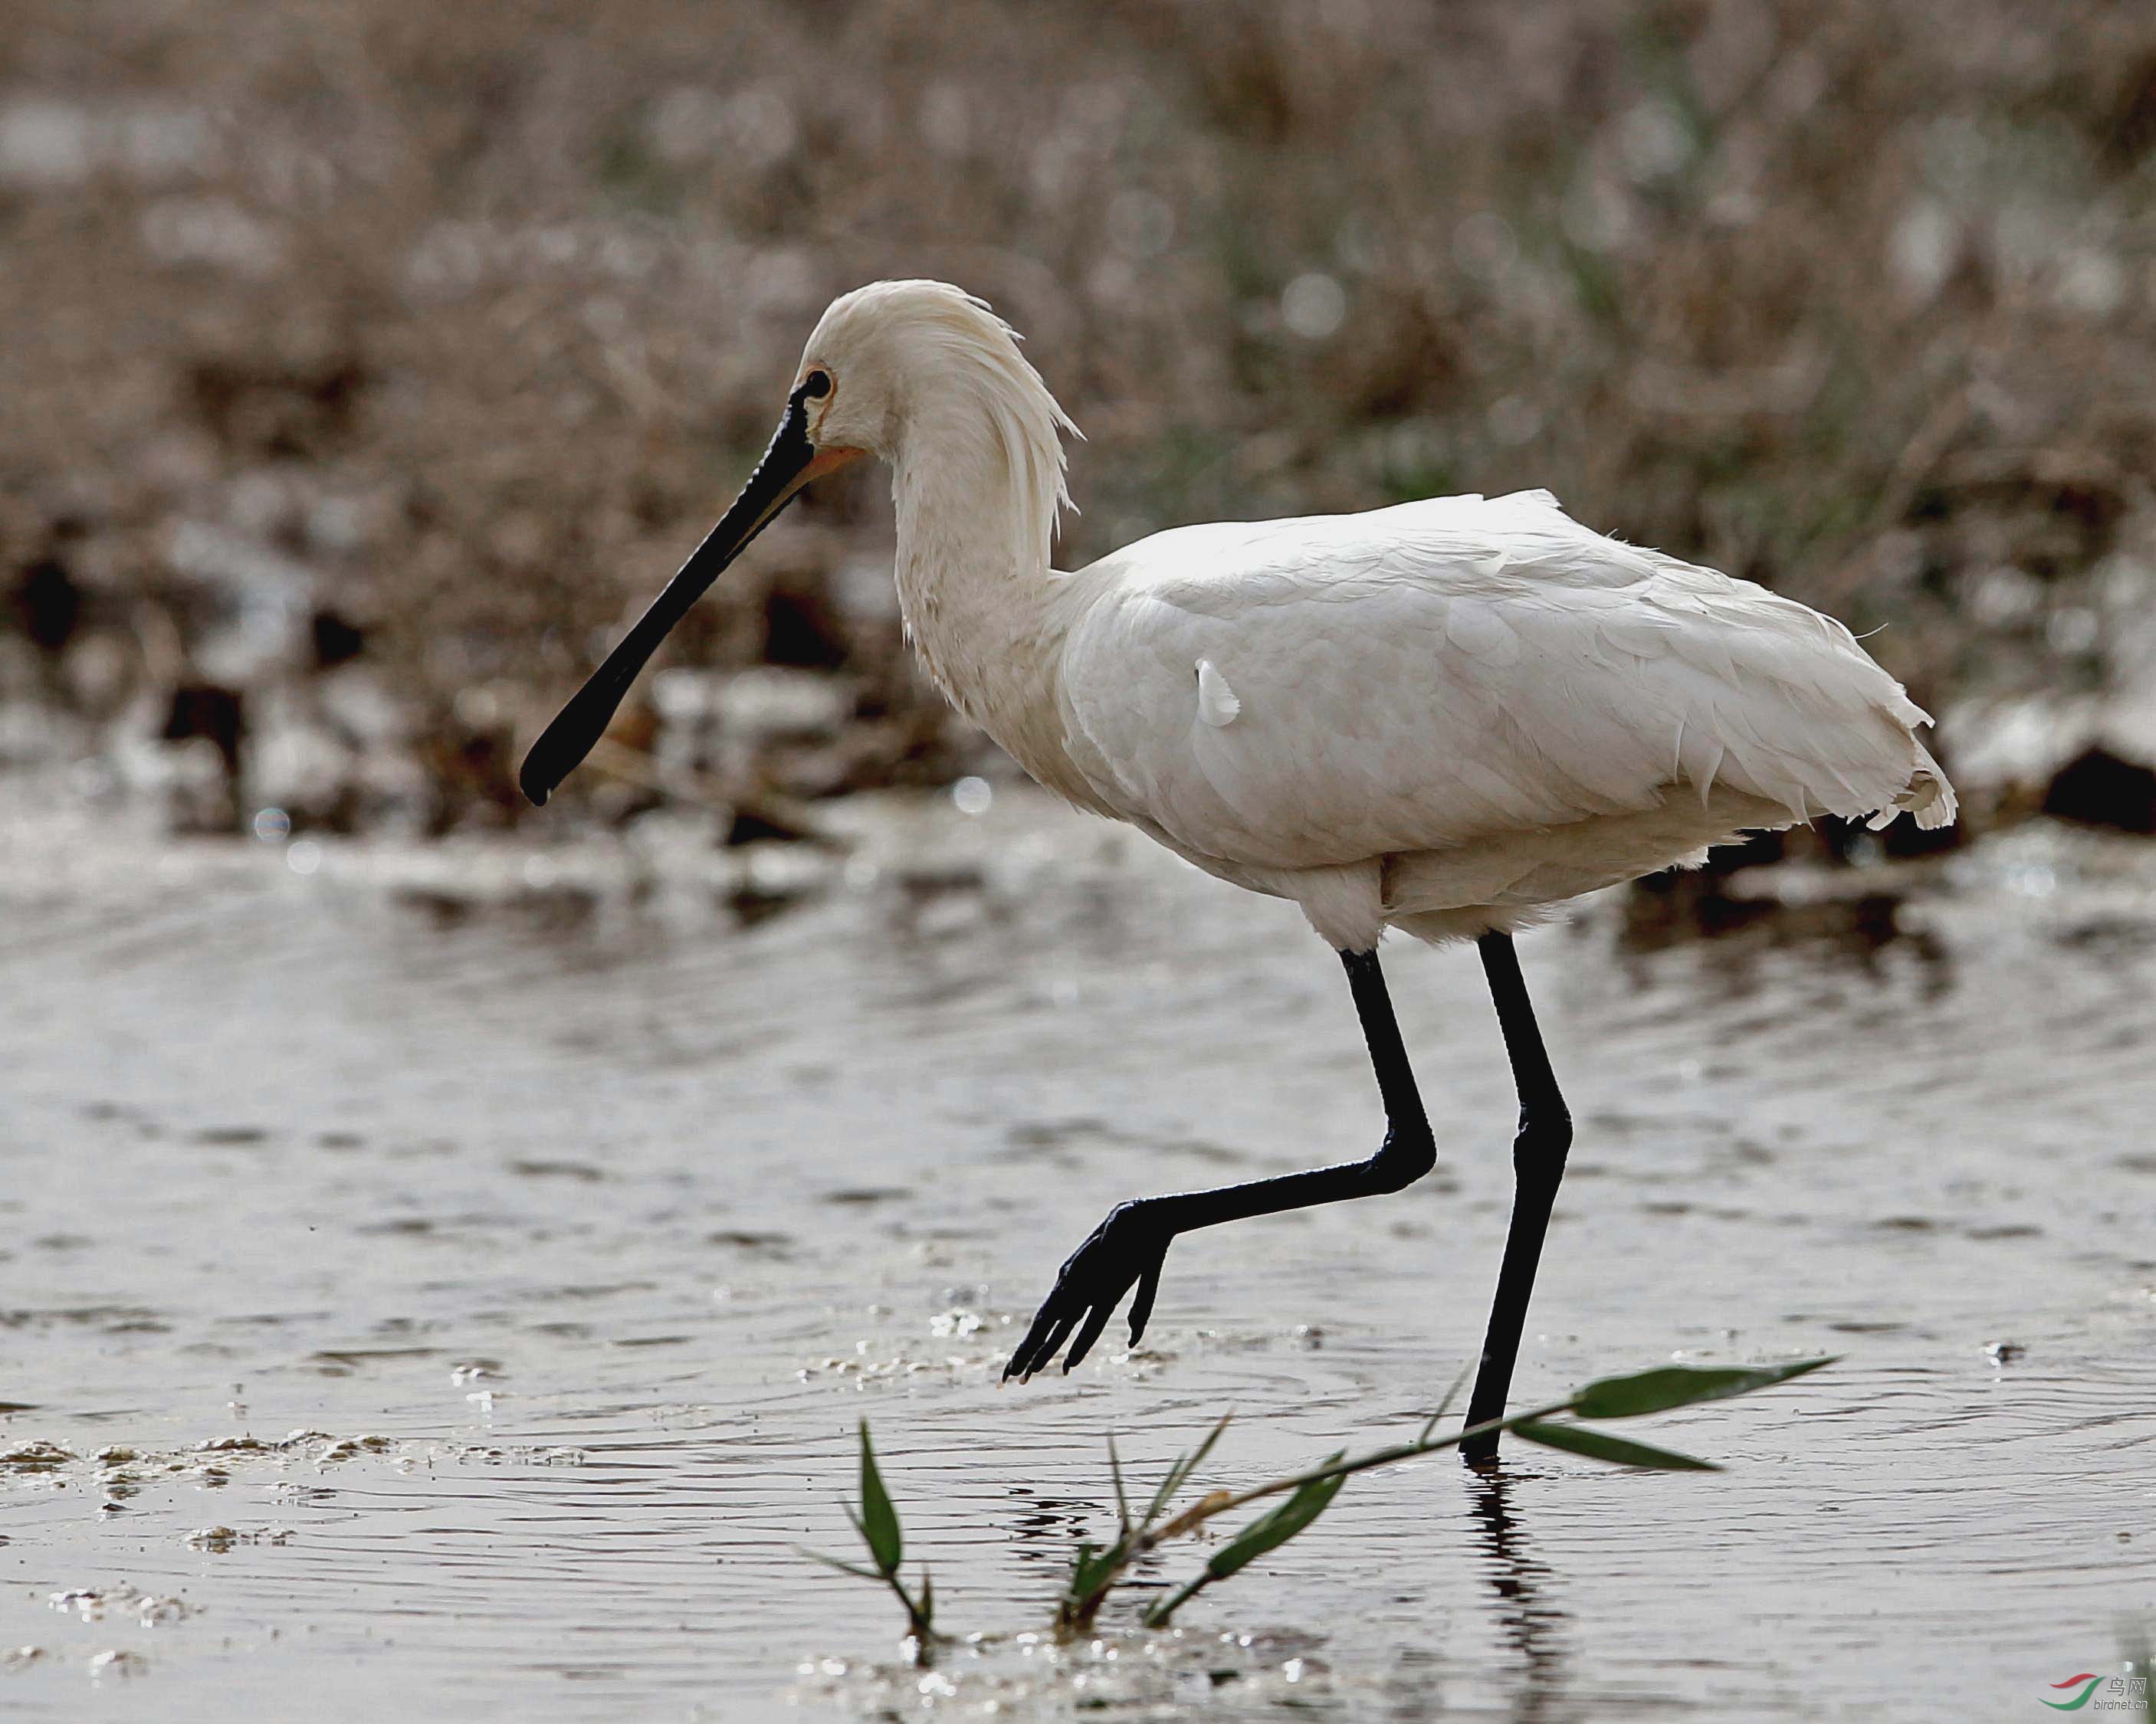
(816,385)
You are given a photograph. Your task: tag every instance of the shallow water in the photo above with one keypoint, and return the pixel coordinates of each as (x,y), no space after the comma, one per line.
(573,1227)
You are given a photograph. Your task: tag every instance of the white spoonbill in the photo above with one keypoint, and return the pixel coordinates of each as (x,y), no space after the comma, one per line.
(1443,718)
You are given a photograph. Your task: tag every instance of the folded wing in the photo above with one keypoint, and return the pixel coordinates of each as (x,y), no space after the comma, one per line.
(1294,694)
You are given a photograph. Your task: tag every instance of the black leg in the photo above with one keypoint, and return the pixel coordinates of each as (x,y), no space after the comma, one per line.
(1126,1250)
(1538,1152)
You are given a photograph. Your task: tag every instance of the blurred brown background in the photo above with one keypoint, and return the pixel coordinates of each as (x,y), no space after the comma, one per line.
(366,364)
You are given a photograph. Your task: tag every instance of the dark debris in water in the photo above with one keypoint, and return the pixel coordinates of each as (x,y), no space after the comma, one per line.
(46,604)
(1670,908)
(536,1169)
(35,1456)
(231,1136)
(752,904)
(1735,891)
(2099,788)
(2116,935)
(774,1245)
(111,1319)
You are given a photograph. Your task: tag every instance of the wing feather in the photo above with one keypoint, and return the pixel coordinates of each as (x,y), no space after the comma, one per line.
(1422,677)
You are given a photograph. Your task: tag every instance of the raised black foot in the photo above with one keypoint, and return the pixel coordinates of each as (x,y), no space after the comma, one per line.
(1125,1250)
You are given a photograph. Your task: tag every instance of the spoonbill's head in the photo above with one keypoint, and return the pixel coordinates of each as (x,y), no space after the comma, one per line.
(889,366)
(903,356)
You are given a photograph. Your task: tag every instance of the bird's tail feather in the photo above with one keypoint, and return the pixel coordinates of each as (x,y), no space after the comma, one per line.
(1928,795)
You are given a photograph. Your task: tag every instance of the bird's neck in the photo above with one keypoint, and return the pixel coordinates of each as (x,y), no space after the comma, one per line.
(974,583)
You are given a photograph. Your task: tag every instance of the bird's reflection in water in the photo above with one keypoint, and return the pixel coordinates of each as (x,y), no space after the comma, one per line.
(1531,1623)
(1047,1528)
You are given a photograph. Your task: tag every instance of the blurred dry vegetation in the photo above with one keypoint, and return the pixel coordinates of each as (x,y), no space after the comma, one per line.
(366,364)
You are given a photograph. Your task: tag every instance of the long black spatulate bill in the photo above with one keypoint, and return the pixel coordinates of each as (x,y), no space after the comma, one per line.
(564,743)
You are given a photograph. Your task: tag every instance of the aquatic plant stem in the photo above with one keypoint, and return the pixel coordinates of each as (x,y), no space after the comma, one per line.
(1221,1502)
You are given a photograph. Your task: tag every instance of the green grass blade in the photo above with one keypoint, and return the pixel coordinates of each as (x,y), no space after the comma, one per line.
(879,1520)
(1093,1576)
(1094,1564)
(1185,1469)
(1444,1406)
(853,1568)
(1681,1385)
(1164,1613)
(1159,1499)
(1599,1445)
(1269,1532)
(1122,1503)
(1182,1471)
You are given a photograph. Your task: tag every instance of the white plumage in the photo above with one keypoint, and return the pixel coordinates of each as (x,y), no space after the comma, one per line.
(1476,701)
(1441,717)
